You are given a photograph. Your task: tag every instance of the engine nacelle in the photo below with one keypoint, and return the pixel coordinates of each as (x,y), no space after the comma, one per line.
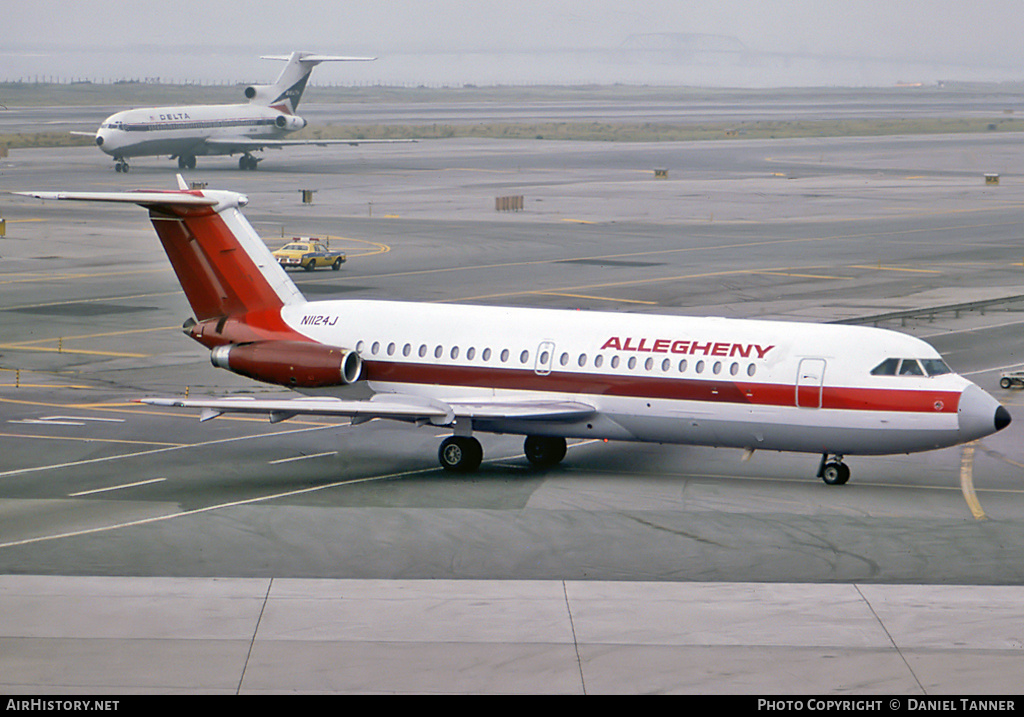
(295,364)
(290,123)
(264,94)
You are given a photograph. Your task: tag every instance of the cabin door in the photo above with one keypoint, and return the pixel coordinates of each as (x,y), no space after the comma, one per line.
(810,377)
(545,357)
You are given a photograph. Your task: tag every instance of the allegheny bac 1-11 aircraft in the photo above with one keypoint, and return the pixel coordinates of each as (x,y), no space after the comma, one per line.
(548,374)
(186,132)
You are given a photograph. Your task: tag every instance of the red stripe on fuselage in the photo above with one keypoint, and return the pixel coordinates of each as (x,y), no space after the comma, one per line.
(679,389)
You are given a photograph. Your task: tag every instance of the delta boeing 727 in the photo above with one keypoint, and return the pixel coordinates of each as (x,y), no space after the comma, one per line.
(549,375)
(189,131)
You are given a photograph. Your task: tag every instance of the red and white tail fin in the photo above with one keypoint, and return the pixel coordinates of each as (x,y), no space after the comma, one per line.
(223,266)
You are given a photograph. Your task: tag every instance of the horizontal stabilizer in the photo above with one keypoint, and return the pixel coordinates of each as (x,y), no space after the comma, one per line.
(144,198)
(224,267)
(319,58)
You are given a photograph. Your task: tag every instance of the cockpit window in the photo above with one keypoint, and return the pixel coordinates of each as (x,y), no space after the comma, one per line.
(911,367)
(935,367)
(886,368)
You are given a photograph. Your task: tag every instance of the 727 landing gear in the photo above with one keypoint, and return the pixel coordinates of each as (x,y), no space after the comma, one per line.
(834,471)
(120,165)
(247,162)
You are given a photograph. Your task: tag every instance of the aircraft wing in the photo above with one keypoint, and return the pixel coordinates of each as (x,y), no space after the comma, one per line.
(245,144)
(392,406)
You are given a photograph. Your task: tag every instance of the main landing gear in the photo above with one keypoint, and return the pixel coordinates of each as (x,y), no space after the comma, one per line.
(463,454)
(832,470)
(187,161)
(121,166)
(247,162)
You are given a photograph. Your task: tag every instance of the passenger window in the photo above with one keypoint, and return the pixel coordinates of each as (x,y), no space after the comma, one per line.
(487,355)
(598,361)
(504,355)
(632,362)
(886,368)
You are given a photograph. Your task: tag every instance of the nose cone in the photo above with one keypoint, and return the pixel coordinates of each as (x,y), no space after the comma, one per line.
(980,415)
(104,140)
(1002,418)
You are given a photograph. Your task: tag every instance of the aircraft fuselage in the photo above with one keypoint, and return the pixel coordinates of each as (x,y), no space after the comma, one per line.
(190,131)
(751,384)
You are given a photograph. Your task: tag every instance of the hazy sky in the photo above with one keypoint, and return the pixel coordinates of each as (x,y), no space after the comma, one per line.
(455,41)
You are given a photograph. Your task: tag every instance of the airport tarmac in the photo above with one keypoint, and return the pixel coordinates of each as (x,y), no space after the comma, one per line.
(316,556)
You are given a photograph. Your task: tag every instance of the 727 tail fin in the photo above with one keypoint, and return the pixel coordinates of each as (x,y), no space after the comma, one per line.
(285,93)
(223,266)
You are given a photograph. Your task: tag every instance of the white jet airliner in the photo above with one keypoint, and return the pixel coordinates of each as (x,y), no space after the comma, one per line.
(548,374)
(186,132)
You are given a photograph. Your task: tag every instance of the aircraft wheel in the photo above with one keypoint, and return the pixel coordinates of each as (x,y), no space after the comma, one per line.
(544,451)
(460,454)
(835,473)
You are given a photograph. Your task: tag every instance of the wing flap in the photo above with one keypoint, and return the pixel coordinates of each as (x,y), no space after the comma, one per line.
(283,409)
(391,406)
(245,144)
(524,410)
